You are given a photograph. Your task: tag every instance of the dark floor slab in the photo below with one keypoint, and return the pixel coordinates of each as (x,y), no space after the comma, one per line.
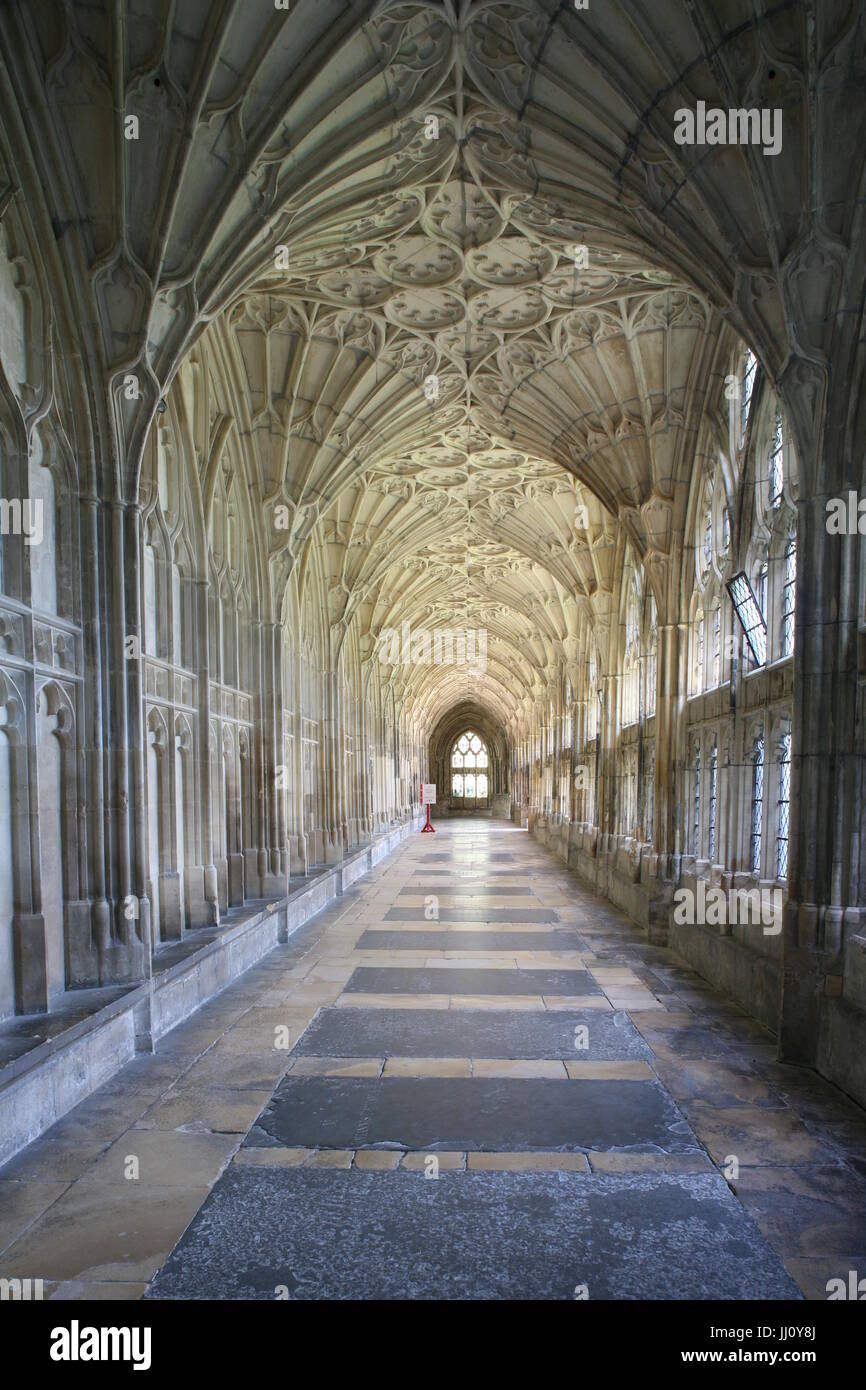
(479,943)
(469,914)
(471,1113)
(528,1034)
(464,890)
(383,979)
(478,856)
(477,874)
(343,1236)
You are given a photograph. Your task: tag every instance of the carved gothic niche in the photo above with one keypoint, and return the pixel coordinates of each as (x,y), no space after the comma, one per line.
(12,711)
(811,285)
(657,513)
(657,568)
(758,298)
(26,344)
(123,293)
(633,522)
(804,388)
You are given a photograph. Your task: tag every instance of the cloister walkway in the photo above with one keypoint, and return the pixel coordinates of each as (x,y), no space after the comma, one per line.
(468,1078)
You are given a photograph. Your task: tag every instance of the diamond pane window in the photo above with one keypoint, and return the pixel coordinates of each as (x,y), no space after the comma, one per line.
(747,382)
(784,807)
(761,591)
(698,667)
(470,784)
(482,758)
(457,760)
(714,765)
(788,596)
(652,662)
(757,805)
(776,463)
(750,615)
(482,784)
(696,821)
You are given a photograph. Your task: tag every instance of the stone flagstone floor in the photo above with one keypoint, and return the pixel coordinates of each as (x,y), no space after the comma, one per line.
(467,1078)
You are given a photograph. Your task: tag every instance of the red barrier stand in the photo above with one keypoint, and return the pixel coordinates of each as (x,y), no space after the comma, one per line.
(427,829)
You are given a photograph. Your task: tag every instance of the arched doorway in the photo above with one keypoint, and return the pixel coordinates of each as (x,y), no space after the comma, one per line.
(470,780)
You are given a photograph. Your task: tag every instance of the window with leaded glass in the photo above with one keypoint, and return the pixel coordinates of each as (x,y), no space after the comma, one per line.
(784,806)
(789,595)
(711,827)
(747,382)
(761,590)
(776,463)
(698,675)
(757,805)
(468,755)
(652,662)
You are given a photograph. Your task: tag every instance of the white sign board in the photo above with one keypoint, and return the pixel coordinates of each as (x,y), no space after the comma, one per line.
(428,793)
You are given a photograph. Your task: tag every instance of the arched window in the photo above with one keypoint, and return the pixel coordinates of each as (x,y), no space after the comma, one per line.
(776,464)
(698,654)
(716,673)
(708,538)
(696,803)
(631,665)
(784,804)
(747,382)
(566,718)
(757,815)
(652,658)
(469,769)
(761,589)
(592,704)
(789,595)
(711,822)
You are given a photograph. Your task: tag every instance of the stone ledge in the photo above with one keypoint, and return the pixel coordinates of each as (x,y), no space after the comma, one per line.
(842,1047)
(751,980)
(43,1084)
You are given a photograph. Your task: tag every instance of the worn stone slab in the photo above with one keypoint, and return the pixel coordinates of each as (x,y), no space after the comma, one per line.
(467,914)
(477,942)
(374,979)
(471,1033)
(473,1113)
(485,1236)
(466,890)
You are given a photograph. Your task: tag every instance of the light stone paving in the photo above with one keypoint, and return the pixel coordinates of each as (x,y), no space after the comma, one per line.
(96,1207)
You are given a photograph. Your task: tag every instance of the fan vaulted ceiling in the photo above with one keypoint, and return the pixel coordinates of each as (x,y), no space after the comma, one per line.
(371,215)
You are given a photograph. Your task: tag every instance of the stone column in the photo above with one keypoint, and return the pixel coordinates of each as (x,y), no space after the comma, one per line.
(670,702)
(825,894)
